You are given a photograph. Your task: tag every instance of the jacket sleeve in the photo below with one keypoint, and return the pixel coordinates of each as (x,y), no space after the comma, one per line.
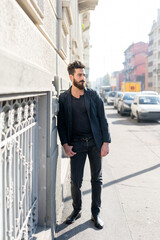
(103,120)
(61,122)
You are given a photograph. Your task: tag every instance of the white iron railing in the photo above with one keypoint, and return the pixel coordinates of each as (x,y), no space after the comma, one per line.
(18,168)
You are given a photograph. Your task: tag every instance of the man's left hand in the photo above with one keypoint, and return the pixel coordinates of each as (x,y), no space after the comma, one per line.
(104,149)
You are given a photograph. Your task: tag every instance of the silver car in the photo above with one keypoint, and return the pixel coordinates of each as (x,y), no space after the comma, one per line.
(117,98)
(146,107)
(124,104)
(110,97)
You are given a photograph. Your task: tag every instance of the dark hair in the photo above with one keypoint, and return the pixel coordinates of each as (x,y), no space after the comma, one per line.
(72,66)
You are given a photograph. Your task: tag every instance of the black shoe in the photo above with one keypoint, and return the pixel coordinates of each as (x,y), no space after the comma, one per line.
(97,222)
(74,216)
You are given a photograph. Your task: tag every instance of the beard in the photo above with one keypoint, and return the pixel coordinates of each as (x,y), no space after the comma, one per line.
(80,85)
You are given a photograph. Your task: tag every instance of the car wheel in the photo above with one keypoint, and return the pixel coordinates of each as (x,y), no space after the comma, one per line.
(132,116)
(121,111)
(138,119)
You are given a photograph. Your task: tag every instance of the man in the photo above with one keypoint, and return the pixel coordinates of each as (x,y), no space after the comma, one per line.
(83,130)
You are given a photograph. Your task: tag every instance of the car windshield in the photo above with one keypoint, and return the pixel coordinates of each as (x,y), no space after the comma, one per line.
(149,100)
(149,93)
(129,96)
(112,94)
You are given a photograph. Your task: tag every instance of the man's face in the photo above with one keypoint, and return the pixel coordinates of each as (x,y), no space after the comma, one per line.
(78,79)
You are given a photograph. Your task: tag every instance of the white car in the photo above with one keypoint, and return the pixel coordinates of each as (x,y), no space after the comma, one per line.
(149,92)
(117,98)
(110,97)
(146,107)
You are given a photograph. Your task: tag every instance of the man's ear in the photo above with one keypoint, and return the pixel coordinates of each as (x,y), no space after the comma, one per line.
(71,77)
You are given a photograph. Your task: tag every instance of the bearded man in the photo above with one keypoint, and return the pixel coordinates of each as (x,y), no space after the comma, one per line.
(83,131)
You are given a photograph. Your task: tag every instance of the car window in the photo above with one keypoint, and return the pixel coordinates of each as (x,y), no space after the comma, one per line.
(112,94)
(129,97)
(149,100)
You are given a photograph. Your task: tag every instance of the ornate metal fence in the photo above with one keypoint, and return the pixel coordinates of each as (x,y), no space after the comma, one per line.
(18,168)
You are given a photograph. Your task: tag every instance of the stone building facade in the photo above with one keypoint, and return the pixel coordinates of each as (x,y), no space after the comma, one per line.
(153,77)
(38,39)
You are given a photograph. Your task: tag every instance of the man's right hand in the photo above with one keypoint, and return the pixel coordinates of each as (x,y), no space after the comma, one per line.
(68,150)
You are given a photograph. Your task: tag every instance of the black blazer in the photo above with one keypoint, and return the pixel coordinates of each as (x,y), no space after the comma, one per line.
(96,114)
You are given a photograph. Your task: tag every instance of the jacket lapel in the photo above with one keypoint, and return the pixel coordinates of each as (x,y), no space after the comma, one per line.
(87,102)
(69,110)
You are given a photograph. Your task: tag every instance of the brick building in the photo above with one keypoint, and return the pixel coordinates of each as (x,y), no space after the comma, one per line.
(134,64)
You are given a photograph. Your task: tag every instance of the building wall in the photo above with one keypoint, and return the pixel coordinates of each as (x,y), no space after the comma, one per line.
(154,56)
(38,39)
(120,79)
(134,65)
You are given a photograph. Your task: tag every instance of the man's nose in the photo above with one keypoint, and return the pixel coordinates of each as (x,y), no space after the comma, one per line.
(83,77)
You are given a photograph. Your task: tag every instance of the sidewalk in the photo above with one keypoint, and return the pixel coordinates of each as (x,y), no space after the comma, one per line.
(111,213)
(130,196)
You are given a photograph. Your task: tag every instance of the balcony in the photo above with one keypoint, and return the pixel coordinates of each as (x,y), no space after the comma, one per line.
(86,5)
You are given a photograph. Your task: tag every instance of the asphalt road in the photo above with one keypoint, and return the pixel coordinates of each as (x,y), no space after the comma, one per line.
(131,186)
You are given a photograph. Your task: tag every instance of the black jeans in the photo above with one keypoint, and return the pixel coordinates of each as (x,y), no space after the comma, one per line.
(77,168)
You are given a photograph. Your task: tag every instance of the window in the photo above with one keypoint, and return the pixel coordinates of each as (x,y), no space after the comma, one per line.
(150,84)
(150,64)
(150,42)
(150,53)
(65,20)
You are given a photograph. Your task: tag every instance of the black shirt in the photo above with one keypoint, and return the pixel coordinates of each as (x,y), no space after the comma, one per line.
(80,120)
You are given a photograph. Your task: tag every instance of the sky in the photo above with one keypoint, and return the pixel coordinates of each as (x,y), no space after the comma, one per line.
(115,25)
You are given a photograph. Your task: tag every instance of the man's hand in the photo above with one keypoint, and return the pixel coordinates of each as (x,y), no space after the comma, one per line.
(68,150)
(104,149)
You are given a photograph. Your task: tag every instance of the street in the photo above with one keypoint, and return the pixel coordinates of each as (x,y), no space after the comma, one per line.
(131,182)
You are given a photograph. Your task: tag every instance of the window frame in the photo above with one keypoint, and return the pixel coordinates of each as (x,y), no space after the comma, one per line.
(33,9)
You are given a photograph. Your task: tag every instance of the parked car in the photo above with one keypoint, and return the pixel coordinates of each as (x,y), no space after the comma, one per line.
(110,97)
(117,98)
(124,104)
(146,107)
(105,96)
(149,92)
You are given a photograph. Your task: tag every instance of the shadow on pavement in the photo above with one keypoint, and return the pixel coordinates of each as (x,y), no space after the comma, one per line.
(122,122)
(73,232)
(128,121)
(131,175)
(120,179)
(112,115)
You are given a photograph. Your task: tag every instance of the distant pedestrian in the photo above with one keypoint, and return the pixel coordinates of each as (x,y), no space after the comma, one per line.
(83,130)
